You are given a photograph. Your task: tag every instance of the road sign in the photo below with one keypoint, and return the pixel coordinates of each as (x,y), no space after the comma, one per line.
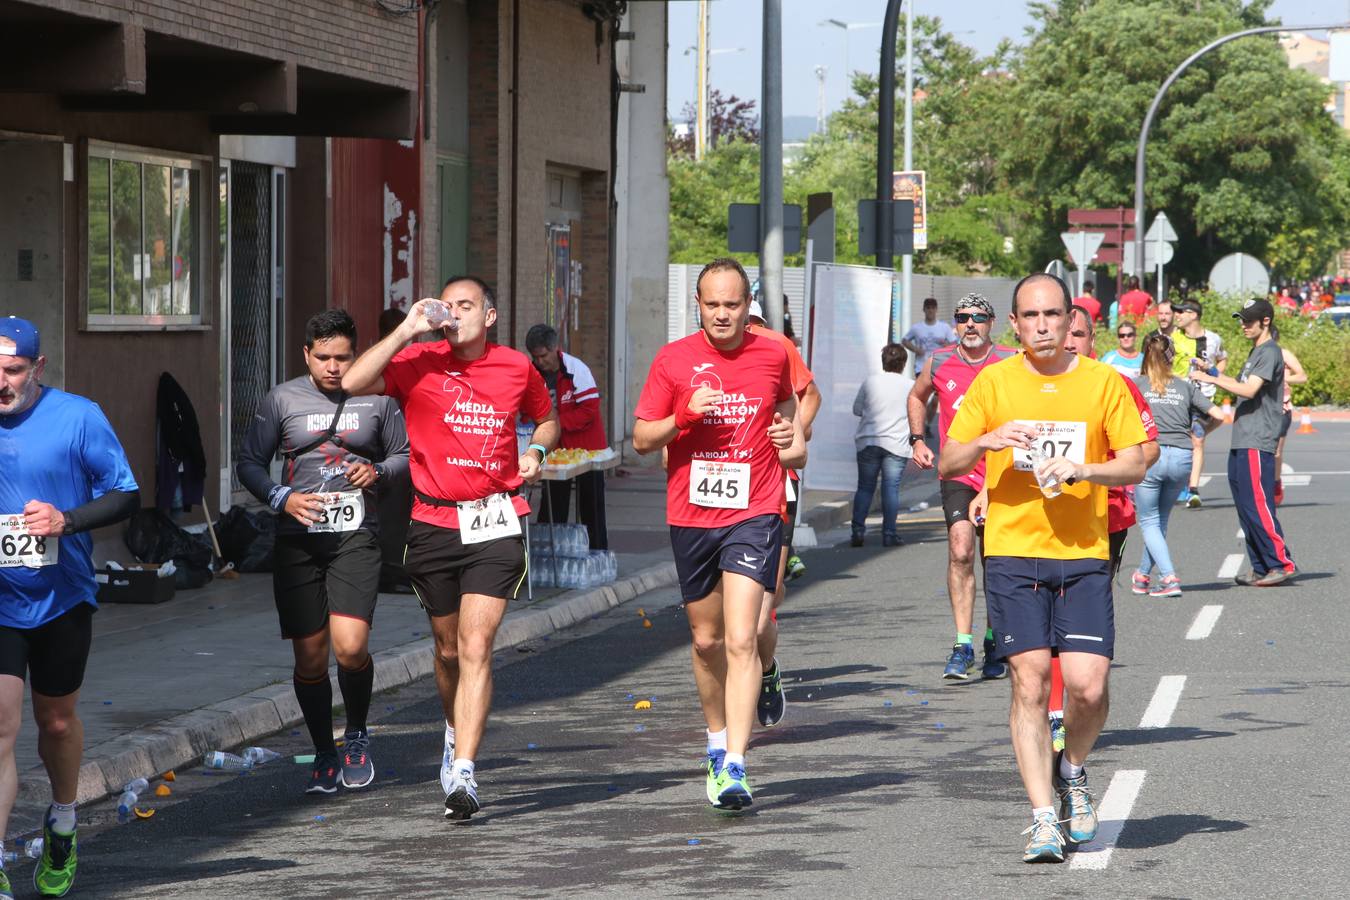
(902,237)
(743,228)
(1238,273)
(1161,229)
(1082,245)
(1150,256)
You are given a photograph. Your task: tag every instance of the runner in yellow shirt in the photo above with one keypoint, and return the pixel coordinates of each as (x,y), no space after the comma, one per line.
(1044,421)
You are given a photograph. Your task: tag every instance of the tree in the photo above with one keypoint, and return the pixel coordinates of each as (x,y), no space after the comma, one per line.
(729,119)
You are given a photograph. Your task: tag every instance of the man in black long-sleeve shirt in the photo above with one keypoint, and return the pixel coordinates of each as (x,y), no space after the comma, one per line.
(336,450)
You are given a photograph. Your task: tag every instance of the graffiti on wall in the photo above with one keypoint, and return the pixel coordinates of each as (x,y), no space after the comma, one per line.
(400,252)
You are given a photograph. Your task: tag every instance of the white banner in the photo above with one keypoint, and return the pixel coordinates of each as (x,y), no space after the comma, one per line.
(852,307)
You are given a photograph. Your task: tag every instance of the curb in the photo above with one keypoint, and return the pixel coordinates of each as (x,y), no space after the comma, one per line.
(178,741)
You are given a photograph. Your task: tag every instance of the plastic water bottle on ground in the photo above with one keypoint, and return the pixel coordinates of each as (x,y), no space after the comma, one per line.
(218,759)
(260,755)
(137,786)
(30,849)
(125,804)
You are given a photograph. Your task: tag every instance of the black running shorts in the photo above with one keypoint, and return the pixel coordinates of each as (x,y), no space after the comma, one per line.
(956,499)
(54,654)
(318,575)
(749,548)
(442,569)
(1064,603)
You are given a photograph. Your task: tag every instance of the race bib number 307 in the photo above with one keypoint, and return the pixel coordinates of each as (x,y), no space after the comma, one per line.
(487,519)
(18,548)
(343,511)
(1067,439)
(719,485)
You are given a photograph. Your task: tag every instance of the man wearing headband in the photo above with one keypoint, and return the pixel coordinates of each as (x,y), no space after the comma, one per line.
(65,475)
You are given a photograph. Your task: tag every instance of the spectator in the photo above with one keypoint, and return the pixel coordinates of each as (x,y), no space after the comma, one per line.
(577,399)
(928,335)
(882,443)
(1126,358)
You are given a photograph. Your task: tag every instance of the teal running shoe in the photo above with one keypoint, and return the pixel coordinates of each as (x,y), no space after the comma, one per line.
(1075,806)
(1046,844)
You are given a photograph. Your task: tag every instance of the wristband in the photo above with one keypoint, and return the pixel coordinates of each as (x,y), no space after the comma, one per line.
(543,452)
(686,418)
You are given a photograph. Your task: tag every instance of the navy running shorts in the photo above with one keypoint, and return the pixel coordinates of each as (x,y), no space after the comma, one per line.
(1064,603)
(749,548)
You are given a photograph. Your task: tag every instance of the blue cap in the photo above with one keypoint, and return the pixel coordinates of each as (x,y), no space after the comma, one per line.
(23,333)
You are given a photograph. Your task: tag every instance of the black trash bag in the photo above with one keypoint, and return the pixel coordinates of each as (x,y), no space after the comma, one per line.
(247,539)
(152,537)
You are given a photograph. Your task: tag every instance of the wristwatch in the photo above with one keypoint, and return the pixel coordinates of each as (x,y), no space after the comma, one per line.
(914,439)
(379,471)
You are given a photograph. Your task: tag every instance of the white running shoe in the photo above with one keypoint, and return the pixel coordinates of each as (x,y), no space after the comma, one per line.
(461,800)
(447,767)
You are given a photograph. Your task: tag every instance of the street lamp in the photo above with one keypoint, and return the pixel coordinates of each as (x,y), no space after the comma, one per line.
(703,96)
(847,27)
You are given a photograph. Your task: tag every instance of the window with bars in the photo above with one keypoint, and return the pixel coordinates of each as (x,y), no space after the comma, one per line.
(144,254)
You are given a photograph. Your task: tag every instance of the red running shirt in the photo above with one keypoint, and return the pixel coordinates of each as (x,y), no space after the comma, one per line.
(461,420)
(754,378)
(952,376)
(1119,501)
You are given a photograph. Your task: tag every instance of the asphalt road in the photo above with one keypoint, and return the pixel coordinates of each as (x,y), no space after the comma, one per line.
(882,781)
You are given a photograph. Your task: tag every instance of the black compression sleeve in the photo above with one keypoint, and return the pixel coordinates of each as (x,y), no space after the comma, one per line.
(109,509)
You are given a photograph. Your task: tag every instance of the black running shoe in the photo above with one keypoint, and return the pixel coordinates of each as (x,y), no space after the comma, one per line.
(357,769)
(326,776)
(772,700)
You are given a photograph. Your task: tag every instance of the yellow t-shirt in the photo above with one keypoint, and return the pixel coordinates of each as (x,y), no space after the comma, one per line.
(1081,414)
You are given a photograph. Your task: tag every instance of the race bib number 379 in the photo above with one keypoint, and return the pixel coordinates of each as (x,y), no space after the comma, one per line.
(1066,439)
(18,548)
(344,511)
(719,485)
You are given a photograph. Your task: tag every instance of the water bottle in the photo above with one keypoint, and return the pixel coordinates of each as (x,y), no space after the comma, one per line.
(1050,485)
(125,804)
(217,759)
(30,849)
(260,755)
(435,313)
(137,786)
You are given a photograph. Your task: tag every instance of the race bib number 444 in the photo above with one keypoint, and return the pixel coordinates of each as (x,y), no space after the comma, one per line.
(1067,439)
(18,548)
(344,511)
(719,485)
(487,519)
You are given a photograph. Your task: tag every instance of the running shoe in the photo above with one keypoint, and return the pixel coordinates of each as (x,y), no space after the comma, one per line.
(993,666)
(6,889)
(447,764)
(1139,583)
(733,788)
(1075,805)
(461,801)
(1273,577)
(1046,844)
(713,764)
(960,663)
(1058,734)
(795,567)
(772,700)
(357,769)
(1193,500)
(856,540)
(326,775)
(1247,578)
(1279,491)
(1169,586)
(55,871)
(1184,498)
(891,540)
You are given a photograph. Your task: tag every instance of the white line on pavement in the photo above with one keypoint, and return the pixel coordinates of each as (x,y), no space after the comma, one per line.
(1112,813)
(1204,623)
(1164,702)
(1204,480)
(1232,564)
(1301,480)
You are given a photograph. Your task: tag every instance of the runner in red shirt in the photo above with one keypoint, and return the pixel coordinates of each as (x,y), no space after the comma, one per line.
(1134,302)
(465,554)
(1090,302)
(948,373)
(721,403)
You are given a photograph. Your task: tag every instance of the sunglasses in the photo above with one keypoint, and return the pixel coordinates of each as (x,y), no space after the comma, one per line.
(978,318)
(1124,334)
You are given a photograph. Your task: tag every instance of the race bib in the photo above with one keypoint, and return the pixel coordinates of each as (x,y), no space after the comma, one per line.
(343,511)
(19,549)
(1067,439)
(488,519)
(719,485)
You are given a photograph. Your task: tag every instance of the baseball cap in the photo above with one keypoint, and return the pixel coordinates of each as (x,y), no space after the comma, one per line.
(756,311)
(19,337)
(1254,310)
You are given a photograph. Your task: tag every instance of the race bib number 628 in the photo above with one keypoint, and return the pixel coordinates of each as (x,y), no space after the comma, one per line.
(18,548)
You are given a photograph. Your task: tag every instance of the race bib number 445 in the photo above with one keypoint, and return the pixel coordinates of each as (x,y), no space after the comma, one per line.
(1067,439)
(719,485)
(18,548)
(487,519)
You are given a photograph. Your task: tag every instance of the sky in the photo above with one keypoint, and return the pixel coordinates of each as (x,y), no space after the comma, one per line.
(737,26)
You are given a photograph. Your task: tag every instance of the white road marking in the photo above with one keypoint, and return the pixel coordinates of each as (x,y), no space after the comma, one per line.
(1112,813)
(1286,469)
(1205,479)
(1232,563)
(1296,480)
(1164,702)
(1204,623)
(1241,535)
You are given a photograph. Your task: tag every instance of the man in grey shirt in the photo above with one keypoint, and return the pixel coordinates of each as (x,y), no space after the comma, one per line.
(1256,430)
(336,450)
(882,443)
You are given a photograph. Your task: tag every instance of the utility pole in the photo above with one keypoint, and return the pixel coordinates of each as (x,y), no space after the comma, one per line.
(886,138)
(701,101)
(907,272)
(771,167)
(820,98)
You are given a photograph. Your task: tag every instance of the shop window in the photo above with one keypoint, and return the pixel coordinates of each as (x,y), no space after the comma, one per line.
(144,214)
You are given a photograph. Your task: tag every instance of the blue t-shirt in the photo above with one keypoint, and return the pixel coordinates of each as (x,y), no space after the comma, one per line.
(1127,367)
(928,338)
(61,451)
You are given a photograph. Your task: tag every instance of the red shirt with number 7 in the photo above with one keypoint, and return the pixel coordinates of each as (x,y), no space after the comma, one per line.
(730,445)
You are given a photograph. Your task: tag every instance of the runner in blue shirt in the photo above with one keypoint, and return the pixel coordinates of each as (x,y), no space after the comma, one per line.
(65,474)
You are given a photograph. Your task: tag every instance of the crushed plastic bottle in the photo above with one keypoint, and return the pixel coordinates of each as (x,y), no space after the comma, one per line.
(259,756)
(29,849)
(218,759)
(137,786)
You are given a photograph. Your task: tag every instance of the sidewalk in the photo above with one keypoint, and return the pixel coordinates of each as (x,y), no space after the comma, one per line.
(208,670)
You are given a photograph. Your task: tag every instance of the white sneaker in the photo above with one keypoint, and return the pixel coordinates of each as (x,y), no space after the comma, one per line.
(447,767)
(461,799)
